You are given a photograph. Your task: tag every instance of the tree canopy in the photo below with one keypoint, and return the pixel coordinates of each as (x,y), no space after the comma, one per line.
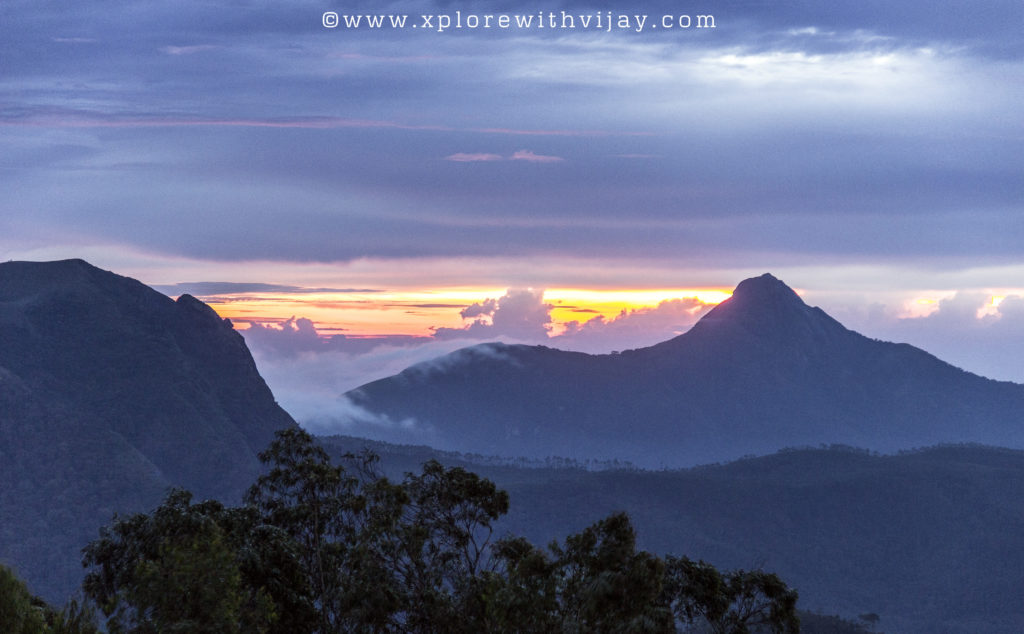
(23,613)
(324,548)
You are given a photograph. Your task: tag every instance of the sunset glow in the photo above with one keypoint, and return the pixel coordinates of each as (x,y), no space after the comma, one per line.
(923,306)
(419,312)
(582,304)
(991,308)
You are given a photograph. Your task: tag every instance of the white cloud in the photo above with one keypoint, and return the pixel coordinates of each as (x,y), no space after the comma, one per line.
(309,384)
(519,155)
(527,155)
(291,337)
(342,416)
(520,314)
(965,330)
(188,50)
(634,328)
(464,157)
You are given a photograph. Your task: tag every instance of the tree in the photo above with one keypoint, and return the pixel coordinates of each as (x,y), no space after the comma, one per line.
(324,548)
(738,602)
(20,613)
(193,568)
(23,613)
(382,556)
(444,548)
(340,520)
(606,585)
(522,595)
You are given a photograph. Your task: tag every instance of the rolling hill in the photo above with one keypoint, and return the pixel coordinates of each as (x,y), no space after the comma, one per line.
(928,540)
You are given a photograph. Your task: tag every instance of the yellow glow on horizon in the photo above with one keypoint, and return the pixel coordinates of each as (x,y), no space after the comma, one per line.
(919,307)
(924,304)
(635,297)
(416,312)
(991,307)
(574,304)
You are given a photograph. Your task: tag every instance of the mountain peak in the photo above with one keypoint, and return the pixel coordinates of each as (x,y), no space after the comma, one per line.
(764,288)
(21,280)
(766,307)
(759,296)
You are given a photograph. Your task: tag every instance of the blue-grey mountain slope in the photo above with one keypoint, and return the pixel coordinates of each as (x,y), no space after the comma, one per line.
(110,393)
(760,372)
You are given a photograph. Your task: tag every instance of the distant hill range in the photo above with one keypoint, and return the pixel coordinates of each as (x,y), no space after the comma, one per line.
(760,372)
(110,392)
(929,540)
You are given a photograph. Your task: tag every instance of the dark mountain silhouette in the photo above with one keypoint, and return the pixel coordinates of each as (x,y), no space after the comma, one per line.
(760,372)
(110,392)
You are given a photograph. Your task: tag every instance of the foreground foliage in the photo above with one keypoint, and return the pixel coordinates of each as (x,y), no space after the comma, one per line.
(324,548)
(23,613)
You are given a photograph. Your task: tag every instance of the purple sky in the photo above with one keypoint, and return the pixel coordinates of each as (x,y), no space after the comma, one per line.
(871,153)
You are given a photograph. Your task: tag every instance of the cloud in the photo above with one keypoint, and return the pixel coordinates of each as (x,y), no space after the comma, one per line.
(527,155)
(310,386)
(487,307)
(965,330)
(297,336)
(824,135)
(309,380)
(291,337)
(520,314)
(462,356)
(339,415)
(57,116)
(188,50)
(331,149)
(462,157)
(635,328)
(563,132)
(207,289)
(309,373)
(520,155)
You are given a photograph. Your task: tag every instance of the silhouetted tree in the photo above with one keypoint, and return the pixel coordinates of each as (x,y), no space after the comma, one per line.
(23,613)
(445,548)
(19,613)
(606,585)
(738,602)
(324,548)
(196,568)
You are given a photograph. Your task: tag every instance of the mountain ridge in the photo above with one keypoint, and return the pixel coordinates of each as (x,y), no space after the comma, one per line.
(110,393)
(759,372)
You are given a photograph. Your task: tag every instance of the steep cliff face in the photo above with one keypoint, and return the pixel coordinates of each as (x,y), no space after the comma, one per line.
(110,393)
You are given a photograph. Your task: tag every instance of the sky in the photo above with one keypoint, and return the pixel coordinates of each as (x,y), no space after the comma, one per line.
(362,198)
